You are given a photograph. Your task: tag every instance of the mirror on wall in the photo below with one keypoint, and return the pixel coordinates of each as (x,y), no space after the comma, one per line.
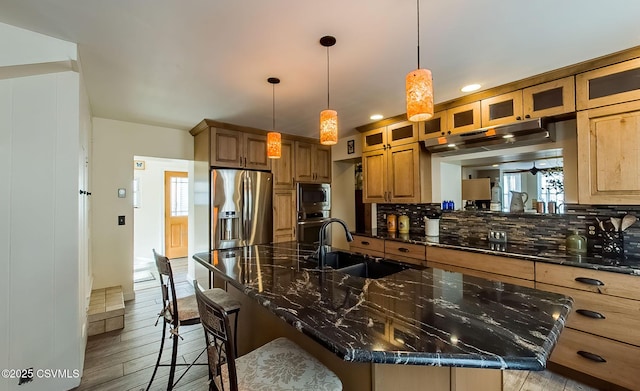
(536,181)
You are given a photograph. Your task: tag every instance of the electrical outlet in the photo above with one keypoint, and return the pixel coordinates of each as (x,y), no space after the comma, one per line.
(120,220)
(498,236)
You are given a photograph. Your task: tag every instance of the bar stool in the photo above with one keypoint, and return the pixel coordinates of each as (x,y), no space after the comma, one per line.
(183,311)
(263,368)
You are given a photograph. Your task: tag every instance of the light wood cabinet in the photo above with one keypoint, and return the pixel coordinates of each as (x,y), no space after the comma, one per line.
(405,252)
(399,174)
(546,99)
(597,338)
(599,314)
(464,118)
(437,126)
(495,267)
(615,362)
(368,246)
(501,109)
(283,168)
(390,136)
(284,215)
(234,149)
(608,154)
(609,85)
(312,162)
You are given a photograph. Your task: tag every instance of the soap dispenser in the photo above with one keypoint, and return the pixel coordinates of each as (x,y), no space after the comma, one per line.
(576,243)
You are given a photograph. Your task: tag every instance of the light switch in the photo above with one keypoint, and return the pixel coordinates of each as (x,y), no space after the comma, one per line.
(122,193)
(120,220)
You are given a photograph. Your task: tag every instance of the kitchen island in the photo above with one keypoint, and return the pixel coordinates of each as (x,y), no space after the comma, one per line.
(437,328)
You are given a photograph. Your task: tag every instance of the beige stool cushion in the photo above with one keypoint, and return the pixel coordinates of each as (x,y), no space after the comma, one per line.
(188,306)
(281,365)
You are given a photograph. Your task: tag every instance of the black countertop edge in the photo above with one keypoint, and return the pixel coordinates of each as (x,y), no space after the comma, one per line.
(629,266)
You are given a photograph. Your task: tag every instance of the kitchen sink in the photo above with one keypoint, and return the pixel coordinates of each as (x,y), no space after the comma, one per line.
(373,269)
(341,259)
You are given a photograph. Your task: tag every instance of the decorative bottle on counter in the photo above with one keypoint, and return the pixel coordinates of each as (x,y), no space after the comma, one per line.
(391,222)
(403,224)
(576,243)
(496,197)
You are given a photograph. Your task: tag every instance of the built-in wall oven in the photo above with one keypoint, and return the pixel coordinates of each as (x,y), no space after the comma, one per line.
(313,204)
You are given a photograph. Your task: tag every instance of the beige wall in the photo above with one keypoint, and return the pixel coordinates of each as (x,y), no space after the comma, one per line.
(114,145)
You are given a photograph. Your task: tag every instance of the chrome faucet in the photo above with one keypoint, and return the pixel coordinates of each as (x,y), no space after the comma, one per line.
(322,251)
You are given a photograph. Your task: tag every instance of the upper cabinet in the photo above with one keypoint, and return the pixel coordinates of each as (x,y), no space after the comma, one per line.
(464,118)
(546,99)
(552,98)
(390,136)
(613,84)
(312,162)
(608,158)
(393,164)
(434,127)
(235,149)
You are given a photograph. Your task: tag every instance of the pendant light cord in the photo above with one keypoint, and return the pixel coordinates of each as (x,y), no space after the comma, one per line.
(418,7)
(274,106)
(327,77)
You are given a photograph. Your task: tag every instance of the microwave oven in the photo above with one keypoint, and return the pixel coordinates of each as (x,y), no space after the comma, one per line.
(313,198)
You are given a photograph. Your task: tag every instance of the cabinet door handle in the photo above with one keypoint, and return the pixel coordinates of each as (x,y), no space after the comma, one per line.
(404,250)
(245,161)
(591,356)
(589,281)
(240,161)
(590,314)
(364,243)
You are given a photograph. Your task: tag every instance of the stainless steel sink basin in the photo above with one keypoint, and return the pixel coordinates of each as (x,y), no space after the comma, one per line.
(373,269)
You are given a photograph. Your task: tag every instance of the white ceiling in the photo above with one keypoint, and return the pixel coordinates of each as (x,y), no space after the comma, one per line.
(175,62)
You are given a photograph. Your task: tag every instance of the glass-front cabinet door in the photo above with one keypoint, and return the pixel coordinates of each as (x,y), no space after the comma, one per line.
(502,109)
(551,98)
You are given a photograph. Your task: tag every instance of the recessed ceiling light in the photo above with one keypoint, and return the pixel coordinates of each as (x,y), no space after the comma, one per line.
(494,165)
(376,117)
(470,87)
(507,136)
(451,145)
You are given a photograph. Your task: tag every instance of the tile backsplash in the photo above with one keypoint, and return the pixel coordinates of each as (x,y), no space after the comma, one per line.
(544,229)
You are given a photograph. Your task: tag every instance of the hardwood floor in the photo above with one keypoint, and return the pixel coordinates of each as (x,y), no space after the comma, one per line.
(124,359)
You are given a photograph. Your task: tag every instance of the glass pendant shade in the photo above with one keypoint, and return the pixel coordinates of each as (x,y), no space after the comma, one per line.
(274,145)
(419,95)
(328,127)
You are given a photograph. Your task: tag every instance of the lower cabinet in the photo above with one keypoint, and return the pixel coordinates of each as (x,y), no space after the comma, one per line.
(601,337)
(284,215)
(405,252)
(491,267)
(368,246)
(609,360)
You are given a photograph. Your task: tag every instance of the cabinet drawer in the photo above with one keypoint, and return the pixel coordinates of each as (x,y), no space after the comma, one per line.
(607,283)
(366,243)
(485,262)
(621,361)
(481,274)
(404,250)
(606,316)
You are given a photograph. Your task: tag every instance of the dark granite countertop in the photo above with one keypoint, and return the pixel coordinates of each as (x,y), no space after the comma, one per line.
(418,317)
(539,253)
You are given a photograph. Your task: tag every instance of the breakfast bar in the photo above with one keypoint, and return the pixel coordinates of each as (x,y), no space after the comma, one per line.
(422,325)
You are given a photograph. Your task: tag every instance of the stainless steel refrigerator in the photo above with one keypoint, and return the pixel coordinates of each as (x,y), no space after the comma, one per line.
(241,213)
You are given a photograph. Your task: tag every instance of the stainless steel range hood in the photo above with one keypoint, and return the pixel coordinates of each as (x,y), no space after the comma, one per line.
(521,133)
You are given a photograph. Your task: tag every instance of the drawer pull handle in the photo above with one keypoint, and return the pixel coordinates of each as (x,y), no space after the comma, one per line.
(404,250)
(590,314)
(591,356)
(364,243)
(589,281)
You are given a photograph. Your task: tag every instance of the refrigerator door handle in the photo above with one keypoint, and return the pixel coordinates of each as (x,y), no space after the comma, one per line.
(245,212)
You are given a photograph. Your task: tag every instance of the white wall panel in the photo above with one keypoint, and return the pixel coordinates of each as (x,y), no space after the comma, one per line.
(5,221)
(19,46)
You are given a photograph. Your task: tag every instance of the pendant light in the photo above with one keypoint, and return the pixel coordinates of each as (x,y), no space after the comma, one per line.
(274,140)
(328,118)
(419,89)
